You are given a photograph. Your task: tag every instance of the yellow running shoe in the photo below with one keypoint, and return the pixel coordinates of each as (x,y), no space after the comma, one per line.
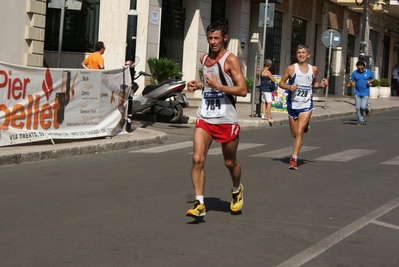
(237,199)
(198,210)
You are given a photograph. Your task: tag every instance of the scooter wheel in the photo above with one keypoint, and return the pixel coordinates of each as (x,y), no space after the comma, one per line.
(178,114)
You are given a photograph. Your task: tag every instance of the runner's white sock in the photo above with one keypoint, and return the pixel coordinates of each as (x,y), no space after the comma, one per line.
(295,156)
(200,199)
(235,189)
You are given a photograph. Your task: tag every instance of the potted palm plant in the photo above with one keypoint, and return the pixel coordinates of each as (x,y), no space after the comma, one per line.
(385,88)
(162,69)
(375,89)
(249,82)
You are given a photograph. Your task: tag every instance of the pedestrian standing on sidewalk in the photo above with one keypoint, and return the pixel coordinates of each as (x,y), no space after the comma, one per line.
(95,60)
(302,80)
(267,86)
(217,118)
(361,79)
(394,80)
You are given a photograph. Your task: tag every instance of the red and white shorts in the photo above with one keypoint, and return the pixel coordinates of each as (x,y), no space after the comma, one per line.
(221,133)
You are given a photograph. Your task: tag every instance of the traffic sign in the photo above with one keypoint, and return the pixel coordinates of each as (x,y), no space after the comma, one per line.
(269,17)
(69,4)
(331,37)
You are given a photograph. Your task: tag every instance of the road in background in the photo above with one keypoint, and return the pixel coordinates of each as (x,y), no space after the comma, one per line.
(127,207)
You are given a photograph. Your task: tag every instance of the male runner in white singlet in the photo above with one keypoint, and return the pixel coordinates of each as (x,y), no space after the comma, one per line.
(302,80)
(216,116)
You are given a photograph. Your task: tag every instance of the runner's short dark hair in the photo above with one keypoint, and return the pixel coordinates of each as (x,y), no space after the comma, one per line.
(218,26)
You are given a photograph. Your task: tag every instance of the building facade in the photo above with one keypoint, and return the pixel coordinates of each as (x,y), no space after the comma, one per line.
(176,29)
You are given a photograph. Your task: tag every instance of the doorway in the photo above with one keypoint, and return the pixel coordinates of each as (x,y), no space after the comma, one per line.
(172,30)
(385,57)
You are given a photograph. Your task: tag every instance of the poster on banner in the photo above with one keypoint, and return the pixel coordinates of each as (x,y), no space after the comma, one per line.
(279,96)
(44,103)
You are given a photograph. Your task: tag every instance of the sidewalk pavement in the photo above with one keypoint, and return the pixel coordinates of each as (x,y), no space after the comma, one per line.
(335,107)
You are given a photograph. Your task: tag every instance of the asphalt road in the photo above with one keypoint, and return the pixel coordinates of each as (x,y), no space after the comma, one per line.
(127,208)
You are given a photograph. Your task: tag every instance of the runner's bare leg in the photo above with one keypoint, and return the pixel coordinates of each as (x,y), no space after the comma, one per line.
(297,129)
(229,153)
(202,141)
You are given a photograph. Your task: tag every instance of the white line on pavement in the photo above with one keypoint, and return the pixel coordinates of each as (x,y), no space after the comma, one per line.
(335,238)
(346,155)
(386,225)
(164,148)
(241,146)
(394,161)
(280,153)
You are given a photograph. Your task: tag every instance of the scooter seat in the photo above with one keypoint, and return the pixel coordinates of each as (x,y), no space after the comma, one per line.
(151,87)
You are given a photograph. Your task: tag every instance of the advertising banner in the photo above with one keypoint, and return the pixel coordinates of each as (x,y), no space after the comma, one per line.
(279,100)
(45,103)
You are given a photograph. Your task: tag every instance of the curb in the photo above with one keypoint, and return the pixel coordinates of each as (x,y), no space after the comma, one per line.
(258,123)
(66,148)
(28,153)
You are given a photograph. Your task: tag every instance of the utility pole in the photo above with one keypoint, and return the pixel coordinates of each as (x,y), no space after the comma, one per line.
(262,56)
(63,5)
(363,43)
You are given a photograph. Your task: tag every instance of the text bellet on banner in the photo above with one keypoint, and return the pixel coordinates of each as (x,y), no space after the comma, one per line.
(45,103)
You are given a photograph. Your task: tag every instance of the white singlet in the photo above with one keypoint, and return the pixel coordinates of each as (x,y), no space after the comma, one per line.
(216,107)
(301,98)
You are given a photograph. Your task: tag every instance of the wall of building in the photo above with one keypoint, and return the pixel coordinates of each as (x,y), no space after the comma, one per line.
(391,29)
(22,31)
(238,13)
(112,31)
(195,41)
(22,41)
(148,35)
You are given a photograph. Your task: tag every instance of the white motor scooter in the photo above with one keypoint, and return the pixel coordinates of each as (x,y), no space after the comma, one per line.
(165,100)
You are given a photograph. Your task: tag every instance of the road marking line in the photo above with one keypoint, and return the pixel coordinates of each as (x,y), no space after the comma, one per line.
(394,161)
(347,155)
(386,225)
(284,152)
(241,146)
(212,151)
(165,148)
(335,238)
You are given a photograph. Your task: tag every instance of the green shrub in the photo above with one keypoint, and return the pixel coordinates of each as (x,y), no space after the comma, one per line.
(376,83)
(385,82)
(163,69)
(249,82)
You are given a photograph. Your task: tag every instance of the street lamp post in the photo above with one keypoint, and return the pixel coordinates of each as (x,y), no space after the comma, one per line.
(363,42)
(63,6)
(262,57)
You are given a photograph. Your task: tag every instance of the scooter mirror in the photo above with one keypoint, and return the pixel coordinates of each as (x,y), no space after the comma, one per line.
(131,63)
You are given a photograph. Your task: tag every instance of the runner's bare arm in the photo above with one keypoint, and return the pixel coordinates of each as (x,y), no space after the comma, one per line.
(233,67)
(316,84)
(194,85)
(289,71)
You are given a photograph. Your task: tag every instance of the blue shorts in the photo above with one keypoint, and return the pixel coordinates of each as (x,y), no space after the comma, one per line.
(294,113)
